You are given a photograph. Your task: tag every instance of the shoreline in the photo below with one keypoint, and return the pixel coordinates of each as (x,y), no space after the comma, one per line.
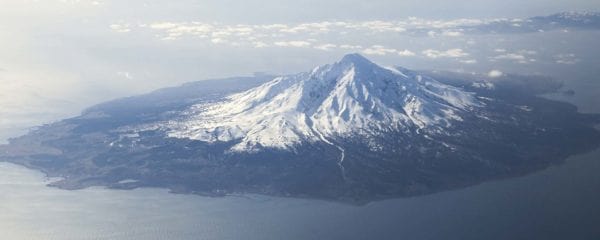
(361,203)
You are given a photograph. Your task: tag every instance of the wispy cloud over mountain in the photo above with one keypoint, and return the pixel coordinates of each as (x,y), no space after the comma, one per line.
(345,35)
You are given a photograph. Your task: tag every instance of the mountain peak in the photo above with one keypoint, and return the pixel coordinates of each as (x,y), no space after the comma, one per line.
(353,96)
(356,59)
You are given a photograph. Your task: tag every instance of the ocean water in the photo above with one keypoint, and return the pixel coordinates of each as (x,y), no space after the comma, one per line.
(558,203)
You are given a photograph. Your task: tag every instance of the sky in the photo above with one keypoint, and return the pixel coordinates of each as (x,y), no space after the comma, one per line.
(59,56)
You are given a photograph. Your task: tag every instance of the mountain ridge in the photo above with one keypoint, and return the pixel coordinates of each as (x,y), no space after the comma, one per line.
(350,95)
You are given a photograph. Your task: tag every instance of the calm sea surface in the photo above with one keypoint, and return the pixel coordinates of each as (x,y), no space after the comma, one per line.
(559,203)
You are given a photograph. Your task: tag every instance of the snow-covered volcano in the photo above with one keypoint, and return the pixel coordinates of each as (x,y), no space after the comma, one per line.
(351,131)
(351,97)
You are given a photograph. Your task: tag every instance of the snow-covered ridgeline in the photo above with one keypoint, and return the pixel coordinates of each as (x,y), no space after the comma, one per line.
(352,96)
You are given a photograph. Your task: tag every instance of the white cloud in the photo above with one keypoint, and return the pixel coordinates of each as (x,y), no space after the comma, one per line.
(522,56)
(380,26)
(450,53)
(347,46)
(319,35)
(293,44)
(382,51)
(217,40)
(326,47)
(121,28)
(378,50)
(568,59)
(511,56)
(468,61)
(406,53)
(126,75)
(444,24)
(247,34)
(163,25)
(450,33)
(495,74)
(450,28)
(273,26)
(259,44)
(313,28)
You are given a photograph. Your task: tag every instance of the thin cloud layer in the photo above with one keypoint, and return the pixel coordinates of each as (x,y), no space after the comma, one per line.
(247,34)
(566,58)
(495,74)
(521,56)
(450,53)
(382,51)
(367,37)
